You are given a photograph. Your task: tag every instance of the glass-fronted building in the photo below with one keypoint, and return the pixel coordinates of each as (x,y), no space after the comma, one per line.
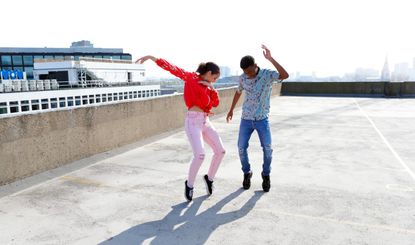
(22,59)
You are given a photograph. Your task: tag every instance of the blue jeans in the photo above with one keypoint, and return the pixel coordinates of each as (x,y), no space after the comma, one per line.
(246,129)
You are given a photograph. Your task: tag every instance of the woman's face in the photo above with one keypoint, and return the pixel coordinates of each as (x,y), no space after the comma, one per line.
(211,77)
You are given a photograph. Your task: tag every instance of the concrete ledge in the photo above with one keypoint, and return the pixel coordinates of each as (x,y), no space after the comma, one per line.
(380,89)
(31,144)
(408,89)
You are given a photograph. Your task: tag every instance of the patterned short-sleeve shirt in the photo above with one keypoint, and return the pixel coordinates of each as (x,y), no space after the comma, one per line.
(257,94)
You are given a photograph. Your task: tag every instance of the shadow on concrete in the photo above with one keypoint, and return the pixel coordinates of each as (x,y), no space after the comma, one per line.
(184,225)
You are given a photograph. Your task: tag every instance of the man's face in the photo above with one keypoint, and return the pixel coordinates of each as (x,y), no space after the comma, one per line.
(251,71)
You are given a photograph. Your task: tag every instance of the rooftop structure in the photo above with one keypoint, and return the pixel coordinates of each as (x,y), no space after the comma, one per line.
(21,58)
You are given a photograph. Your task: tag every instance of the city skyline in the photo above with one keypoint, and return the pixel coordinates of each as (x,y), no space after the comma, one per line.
(401,71)
(329,38)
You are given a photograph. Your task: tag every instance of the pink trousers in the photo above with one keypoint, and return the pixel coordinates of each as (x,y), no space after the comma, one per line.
(199,128)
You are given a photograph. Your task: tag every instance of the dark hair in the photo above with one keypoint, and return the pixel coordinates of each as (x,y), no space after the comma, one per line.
(247,61)
(209,66)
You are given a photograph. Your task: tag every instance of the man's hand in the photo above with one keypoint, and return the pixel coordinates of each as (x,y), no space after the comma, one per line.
(266,52)
(229,116)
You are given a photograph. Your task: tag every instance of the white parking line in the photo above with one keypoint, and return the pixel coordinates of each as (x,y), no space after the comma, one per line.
(412,174)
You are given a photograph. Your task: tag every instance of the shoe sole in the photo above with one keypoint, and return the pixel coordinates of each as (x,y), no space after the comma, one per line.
(185,197)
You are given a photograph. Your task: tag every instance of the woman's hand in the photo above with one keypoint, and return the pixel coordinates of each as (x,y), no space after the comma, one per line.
(207,84)
(145,58)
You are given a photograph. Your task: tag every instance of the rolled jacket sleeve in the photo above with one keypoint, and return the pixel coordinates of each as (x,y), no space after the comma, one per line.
(214,98)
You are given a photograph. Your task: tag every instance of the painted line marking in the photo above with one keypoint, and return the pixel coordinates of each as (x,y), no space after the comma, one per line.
(412,174)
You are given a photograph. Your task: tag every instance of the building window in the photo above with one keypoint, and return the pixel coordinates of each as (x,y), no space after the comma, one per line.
(85,99)
(45,104)
(91,99)
(17,60)
(14,106)
(62,102)
(139,94)
(3,108)
(29,72)
(6,60)
(35,105)
(104,97)
(109,97)
(135,94)
(19,68)
(126,57)
(70,101)
(120,96)
(24,105)
(125,95)
(53,103)
(130,95)
(77,100)
(37,57)
(28,60)
(98,98)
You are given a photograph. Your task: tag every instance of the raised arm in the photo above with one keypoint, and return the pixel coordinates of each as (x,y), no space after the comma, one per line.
(176,71)
(145,58)
(267,54)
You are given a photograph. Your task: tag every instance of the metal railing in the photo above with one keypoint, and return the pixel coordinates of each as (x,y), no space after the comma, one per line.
(9,86)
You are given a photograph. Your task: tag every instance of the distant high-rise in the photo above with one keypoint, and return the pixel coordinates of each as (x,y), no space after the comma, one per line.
(385,76)
(401,72)
(225,71)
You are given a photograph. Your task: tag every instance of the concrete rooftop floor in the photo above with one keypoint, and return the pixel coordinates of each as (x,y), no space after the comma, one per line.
(343,173)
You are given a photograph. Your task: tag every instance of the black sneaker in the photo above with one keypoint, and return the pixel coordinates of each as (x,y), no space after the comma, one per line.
(188,192)
(266,183)
(209,185)
(247,180)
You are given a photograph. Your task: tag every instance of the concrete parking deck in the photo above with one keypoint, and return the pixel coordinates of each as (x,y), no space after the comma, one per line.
(343,173)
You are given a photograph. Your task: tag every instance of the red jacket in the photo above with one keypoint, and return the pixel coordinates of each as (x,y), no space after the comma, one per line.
(195,94)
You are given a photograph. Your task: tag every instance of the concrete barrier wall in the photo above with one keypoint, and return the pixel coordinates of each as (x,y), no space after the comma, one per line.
(382,89)
(31,144)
